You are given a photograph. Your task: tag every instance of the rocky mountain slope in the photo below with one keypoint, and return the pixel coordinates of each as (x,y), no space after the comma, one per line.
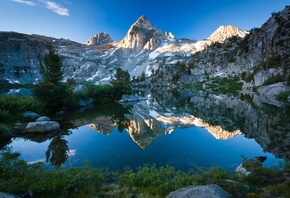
(229,51)
(99,39)
(142,49)
(261,57)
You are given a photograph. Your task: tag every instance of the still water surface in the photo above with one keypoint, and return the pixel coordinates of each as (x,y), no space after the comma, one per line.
(183,149)
(181,132)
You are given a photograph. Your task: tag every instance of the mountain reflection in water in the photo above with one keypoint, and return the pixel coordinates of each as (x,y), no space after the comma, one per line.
(184,129)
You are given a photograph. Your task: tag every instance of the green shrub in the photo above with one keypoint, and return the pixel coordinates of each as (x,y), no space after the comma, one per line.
(37,180)
(53,96)
(274,79)
(13,104)
(100,93)
(249,77)
(283,95)
(4,114)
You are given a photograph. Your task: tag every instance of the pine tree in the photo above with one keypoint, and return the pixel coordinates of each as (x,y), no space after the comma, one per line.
(121,83)
(51,91)
(51,68)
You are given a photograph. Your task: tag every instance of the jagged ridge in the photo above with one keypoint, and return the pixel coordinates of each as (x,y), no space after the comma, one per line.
(145,48)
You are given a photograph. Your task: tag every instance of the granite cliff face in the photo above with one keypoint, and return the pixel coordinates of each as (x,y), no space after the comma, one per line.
(19,54)
(143,48)
(142,35)
(225,32)
(229,51)
(99,39)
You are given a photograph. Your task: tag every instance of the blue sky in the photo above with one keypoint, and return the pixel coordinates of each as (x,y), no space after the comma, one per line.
(80,20)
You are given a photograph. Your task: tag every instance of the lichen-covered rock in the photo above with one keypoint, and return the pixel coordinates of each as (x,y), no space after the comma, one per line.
(42,127)
(208,191)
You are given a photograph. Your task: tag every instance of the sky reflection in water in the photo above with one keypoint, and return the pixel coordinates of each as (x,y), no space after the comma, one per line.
(184,148)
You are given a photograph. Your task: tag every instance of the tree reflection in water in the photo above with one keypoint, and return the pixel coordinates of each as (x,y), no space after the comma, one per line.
(57,152)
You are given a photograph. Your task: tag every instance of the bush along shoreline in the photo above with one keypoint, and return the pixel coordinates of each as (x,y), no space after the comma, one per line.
(39,180)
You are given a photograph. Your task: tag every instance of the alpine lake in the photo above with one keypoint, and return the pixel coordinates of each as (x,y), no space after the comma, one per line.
(183,128)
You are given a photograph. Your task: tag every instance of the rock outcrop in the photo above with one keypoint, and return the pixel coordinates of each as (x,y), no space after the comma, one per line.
(141,36)
(99,39)
(228,52)
(226,32)
(208,191)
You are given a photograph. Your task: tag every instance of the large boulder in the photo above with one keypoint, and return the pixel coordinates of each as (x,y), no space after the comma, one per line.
(42,127)
(208,191)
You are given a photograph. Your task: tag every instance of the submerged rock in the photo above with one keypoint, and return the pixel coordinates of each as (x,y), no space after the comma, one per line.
(42,127)
(208,191)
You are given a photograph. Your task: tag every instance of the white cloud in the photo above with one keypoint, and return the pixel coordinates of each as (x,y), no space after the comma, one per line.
(29,3)
(57,8)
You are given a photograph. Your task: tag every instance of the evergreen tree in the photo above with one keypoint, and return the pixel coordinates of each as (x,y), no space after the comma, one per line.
(51,91)
(51,68)
(121,83)
(143,76)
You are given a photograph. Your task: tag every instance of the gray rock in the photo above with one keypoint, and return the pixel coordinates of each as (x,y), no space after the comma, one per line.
(99,39)
(42,127)
(30,114)
(20,92)
(59,113)
(89,101)
(208,191)
(7,195)
(127,98)
(273,89)
(288,98)
(267,94)
(80,88)
(81,103)
(262,75)
(42,118)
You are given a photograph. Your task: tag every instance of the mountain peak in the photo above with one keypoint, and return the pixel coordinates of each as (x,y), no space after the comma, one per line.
(99,39)
(141,35)
(143,22)
(225,32)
